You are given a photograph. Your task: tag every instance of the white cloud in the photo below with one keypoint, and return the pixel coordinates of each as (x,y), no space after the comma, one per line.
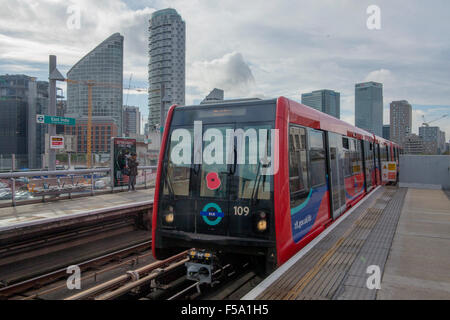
(230,73)
(383,76)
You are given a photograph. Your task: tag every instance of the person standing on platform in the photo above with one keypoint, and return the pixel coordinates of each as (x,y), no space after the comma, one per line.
(132,166)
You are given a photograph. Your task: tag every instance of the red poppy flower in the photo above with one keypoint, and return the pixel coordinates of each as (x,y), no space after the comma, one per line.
(212,181)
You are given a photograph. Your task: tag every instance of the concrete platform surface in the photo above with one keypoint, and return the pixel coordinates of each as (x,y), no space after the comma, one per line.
(418,265)
(403,233)
(10,216)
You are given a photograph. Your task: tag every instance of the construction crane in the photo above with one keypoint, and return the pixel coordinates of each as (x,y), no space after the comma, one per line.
(128,90)
(427,124)
(90,84)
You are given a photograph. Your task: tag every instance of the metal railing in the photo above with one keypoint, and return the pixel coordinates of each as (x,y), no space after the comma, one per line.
(29,186)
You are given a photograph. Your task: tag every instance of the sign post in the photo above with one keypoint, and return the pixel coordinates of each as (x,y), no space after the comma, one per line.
(53,76)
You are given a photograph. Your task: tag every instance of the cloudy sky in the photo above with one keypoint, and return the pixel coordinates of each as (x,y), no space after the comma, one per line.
(253,48)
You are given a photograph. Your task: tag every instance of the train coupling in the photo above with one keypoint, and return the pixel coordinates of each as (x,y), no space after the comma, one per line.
(200,266)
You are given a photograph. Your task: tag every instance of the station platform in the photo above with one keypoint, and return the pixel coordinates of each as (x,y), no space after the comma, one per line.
(405,233)
(38,213)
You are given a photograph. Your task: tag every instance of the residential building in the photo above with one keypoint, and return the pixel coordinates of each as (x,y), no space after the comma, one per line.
(433,139)
(167,61)
(327,101)
(369,107)
(103,69)
(413,144)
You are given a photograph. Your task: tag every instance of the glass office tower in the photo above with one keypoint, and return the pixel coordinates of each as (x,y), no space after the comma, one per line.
(104,67)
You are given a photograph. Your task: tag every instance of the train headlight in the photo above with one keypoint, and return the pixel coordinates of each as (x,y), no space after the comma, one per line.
(261,225)
(169,217)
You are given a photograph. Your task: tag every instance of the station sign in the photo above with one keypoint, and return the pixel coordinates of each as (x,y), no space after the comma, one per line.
(56,142)
(45,119)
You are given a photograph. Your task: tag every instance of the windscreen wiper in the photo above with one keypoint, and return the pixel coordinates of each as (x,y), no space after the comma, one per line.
(169,183)
(256,185)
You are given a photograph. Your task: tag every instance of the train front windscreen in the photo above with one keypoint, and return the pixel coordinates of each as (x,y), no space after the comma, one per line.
(217,175)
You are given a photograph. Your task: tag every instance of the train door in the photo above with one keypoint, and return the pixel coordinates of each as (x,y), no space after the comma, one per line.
(210,183)
(336,177)
(378,163)
(230,195)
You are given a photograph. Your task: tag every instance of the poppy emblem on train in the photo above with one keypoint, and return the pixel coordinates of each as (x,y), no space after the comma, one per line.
(212,214)
(213,181)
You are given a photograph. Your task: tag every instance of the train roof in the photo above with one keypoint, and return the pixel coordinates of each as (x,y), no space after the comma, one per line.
(319,120)
(307,116)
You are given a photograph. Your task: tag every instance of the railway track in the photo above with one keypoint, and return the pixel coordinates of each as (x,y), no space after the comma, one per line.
(39,286)
(36,255)
(133,282)
(166,280)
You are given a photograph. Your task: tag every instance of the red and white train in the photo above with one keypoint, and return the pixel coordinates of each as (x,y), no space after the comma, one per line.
(323,165)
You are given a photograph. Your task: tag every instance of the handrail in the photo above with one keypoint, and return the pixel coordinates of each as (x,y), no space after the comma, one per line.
(19,174)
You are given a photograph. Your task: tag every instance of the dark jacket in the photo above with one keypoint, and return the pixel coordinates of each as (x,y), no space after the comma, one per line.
(121,161)
(132,165)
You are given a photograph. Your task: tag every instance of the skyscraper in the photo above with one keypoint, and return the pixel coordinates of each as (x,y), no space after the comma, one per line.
(327,101)
(369,107)
(104,67)
(21,98)
(167,60)
(387,131)
(401,121)
(131,121)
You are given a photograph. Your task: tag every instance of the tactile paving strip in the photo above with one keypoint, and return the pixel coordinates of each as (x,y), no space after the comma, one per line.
(325,272)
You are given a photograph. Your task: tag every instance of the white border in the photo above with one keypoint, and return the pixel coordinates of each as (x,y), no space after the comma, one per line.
(285,267)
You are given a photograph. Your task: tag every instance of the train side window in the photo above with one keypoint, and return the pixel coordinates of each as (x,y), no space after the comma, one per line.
(317,158)
(345,143)
(298,165)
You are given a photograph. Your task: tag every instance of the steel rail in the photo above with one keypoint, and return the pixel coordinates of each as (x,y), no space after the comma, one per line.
(24,285)
(124,278)
(132,285)
(94,274)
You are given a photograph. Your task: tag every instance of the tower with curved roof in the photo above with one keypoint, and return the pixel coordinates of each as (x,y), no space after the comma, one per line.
(104,66)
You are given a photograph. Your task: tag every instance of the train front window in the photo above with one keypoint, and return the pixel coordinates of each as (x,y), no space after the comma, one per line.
(231,162)
(251,181)
(178,173)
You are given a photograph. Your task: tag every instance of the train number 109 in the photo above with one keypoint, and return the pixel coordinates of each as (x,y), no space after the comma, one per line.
(239,211)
